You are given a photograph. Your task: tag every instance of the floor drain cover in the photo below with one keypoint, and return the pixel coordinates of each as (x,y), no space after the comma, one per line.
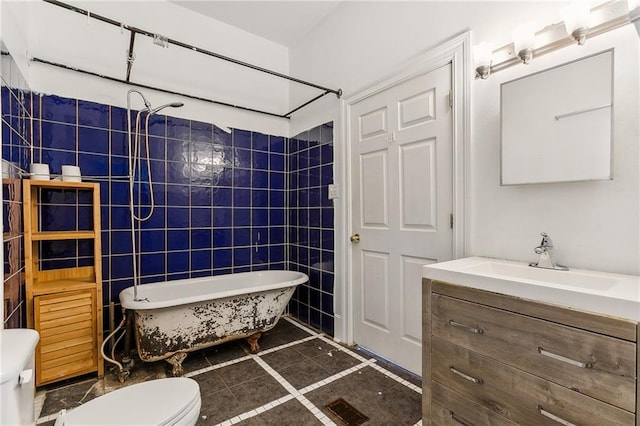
(346,412)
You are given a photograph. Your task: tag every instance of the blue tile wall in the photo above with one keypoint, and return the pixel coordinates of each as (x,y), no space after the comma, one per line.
(225,203)
(69,211)
(17,107)
(220,198)
(311,233)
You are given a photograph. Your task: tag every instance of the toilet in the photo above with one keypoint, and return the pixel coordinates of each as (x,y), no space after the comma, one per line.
(162,402)
(17,376)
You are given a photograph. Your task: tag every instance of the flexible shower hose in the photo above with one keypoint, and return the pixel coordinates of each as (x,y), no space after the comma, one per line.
(113,348)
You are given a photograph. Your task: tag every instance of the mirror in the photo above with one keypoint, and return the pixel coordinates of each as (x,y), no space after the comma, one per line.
(557,124)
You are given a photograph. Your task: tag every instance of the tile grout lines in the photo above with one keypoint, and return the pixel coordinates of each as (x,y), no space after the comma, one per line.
(358,357)
(293,392)
(397,378)
(245,358)
(48,418)
(190,374)
(299,394)
(336,376)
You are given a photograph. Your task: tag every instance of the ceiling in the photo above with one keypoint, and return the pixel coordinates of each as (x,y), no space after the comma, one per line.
(283,22)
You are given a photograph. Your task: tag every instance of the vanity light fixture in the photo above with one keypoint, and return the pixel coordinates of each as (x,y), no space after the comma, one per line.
(576,20)
(482,56)
(523,41)
(579,22)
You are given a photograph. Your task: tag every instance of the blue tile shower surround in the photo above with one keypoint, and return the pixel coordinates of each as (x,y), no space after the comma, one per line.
(191,162)
(222,200)
(311,236)
(16,149)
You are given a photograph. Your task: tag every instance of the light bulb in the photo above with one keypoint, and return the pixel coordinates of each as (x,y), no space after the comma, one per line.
(524,40)
(482,55)
(576,20)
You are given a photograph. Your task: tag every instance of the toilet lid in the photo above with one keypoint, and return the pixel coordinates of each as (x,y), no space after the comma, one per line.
(156,402)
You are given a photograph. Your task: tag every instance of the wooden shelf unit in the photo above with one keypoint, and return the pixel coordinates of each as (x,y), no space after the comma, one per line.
(63,305)
(62,235)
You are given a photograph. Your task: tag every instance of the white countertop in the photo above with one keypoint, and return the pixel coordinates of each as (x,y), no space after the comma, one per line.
(616,295)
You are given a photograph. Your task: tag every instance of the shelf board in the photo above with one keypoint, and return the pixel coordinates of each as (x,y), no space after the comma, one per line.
(62,235)
(56,184)
(62,285)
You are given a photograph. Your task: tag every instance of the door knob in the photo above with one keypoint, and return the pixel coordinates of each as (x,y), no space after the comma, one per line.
(355,238)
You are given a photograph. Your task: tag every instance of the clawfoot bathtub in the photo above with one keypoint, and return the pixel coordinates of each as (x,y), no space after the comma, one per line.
(176,317)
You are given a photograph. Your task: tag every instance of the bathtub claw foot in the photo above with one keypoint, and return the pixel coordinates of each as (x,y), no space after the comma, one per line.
(176,361)
(122,375)
(252,340)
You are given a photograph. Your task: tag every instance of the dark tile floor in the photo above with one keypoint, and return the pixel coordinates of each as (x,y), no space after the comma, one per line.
(289,382)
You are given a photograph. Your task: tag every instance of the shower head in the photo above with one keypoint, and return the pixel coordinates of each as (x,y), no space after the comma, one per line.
(147,104)
(172,105)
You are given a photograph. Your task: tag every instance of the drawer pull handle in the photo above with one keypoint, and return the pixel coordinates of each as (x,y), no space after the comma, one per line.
(476,380)
(554,417)
(564,359)
(456,419)
(474,330)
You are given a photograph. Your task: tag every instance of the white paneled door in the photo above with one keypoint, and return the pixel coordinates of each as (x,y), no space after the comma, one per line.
(402,198)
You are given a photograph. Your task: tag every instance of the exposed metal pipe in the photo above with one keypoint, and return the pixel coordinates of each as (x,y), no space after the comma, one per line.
(146,86)
(136,154)
(337,92)
(130,55)
(288,115)
(126,353)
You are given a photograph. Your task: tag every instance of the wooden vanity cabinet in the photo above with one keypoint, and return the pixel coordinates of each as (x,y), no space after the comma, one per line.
(64,304)
(494,359)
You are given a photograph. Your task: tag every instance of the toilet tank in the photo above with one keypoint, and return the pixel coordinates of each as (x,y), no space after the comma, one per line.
(17,376)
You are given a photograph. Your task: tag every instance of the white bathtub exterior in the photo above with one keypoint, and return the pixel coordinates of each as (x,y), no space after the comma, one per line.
(186,315)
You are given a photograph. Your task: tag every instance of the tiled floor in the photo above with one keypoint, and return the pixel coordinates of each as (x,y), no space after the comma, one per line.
(296,373)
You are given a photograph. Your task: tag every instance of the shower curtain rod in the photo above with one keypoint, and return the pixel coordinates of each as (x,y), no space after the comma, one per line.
(337,92)
(171,92)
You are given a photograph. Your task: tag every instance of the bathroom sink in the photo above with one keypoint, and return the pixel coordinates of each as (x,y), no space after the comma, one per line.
(522,271)
(602,292)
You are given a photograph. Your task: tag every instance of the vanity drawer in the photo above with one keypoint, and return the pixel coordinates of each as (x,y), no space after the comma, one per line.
(519,396)
(451,408)
(589,363)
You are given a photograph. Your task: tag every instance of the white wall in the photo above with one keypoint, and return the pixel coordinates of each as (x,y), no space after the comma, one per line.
(361,43)
(63,36)
(594,225)
(14,31)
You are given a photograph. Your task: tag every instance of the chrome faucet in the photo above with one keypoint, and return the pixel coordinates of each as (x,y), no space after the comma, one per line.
(544,250)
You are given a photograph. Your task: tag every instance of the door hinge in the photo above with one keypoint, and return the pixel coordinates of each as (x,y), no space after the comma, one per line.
(451,98)
(451,220)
